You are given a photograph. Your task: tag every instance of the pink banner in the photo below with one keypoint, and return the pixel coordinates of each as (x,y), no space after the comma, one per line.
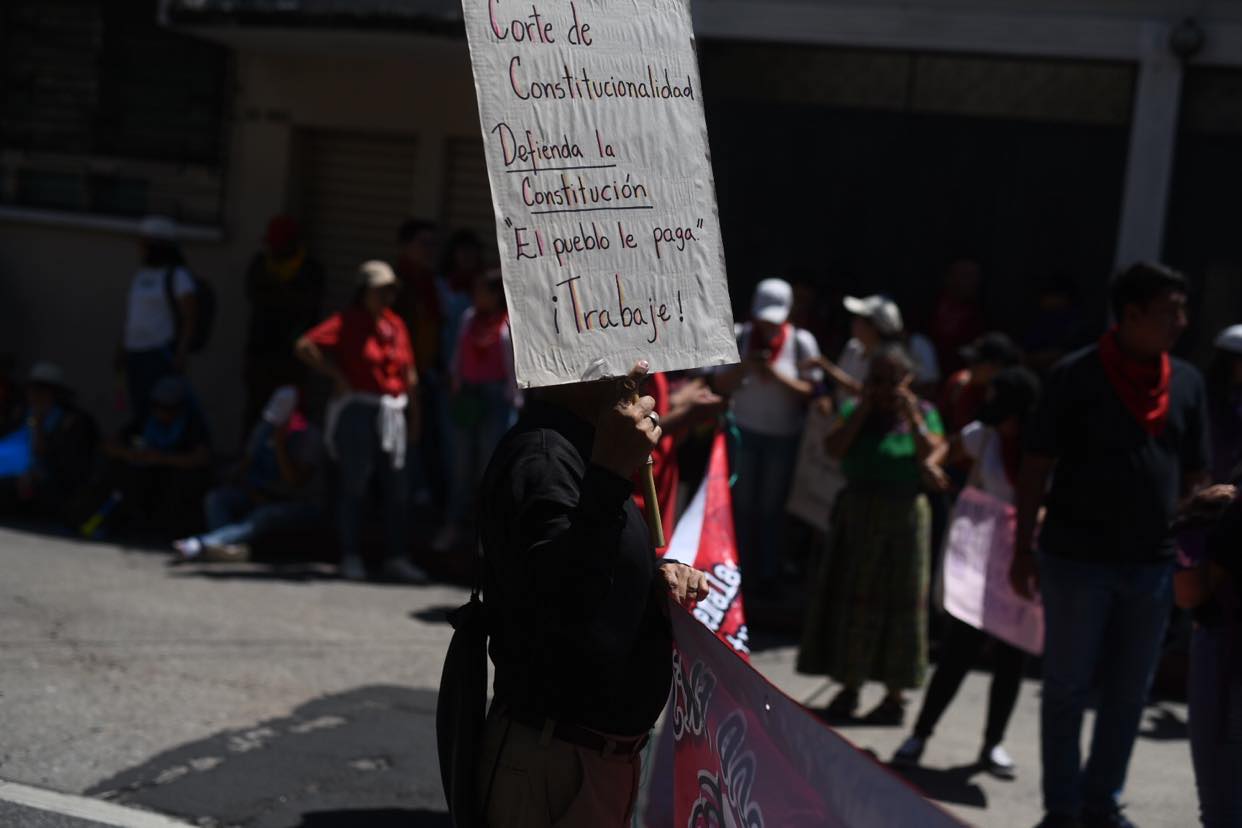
(976,572)
(735,752)
(747,755)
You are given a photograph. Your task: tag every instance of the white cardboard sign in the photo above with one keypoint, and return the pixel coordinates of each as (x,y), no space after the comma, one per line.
(596,145)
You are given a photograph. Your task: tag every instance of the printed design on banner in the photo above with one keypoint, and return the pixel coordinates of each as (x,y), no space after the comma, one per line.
(725,582)
(724,799)
(692,694)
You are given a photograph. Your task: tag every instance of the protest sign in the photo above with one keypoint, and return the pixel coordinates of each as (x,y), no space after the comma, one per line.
(606,219)
(817,476)
(976,572)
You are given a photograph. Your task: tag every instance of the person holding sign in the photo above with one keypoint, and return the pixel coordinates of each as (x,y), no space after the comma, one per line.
(868,619)
(992,447)
(574,607)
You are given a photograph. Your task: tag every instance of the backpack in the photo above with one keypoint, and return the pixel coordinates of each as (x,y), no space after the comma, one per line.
(205,299)
(461,709)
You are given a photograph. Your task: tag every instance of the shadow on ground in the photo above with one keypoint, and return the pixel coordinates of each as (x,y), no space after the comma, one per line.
(950,785)
(364,757)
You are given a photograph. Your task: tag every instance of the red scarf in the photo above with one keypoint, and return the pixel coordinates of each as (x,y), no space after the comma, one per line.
(1142,385)
(772,346)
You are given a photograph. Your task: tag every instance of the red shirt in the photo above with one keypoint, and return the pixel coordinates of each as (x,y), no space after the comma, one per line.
(374,354)
(664,462)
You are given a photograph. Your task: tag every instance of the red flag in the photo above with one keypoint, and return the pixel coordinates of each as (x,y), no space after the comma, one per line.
(705,539)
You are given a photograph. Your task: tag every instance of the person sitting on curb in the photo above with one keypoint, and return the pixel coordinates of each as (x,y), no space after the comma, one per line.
(160,467)
(273,489)
(61,443)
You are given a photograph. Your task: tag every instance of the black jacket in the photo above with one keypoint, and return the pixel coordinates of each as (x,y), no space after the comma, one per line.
(571,587)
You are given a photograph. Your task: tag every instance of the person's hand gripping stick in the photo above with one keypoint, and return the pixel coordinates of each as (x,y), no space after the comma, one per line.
(626,432)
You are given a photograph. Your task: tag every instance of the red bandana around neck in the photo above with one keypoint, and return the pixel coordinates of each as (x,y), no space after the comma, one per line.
(1142,385)
(772,346)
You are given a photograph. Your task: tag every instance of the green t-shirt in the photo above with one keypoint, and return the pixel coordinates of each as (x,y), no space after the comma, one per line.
(886,457)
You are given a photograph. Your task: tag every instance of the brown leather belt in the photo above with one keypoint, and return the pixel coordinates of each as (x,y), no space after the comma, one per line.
(580,736)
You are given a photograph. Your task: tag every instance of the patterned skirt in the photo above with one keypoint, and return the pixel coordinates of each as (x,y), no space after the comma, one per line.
(867,618)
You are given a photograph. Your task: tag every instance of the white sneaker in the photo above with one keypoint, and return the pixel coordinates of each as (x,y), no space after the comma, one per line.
(187,549)
(999,763)
(910,752)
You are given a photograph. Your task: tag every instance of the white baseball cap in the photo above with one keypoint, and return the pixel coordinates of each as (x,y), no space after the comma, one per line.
(1230,339)
(879,311)
(772,302)
(376,274)
(281,405)
(158,228)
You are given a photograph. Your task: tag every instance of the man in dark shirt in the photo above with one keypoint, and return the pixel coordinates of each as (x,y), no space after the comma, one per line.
(1121,432)
(575,607)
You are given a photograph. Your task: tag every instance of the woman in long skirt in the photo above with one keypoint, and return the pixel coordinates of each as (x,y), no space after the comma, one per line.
(868,618)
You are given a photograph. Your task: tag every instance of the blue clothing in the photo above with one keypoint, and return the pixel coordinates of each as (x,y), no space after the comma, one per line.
(764,465)
(1104,624)
(143,369)
(233,517)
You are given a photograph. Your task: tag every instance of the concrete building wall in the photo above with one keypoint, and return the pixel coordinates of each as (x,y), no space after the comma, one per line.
(63,288)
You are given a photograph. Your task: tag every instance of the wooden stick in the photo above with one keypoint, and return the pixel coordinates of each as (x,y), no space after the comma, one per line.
(652,504)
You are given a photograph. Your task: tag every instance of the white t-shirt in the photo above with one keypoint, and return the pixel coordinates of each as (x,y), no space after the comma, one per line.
(855,362)
(768,407)
(990,474)
(149,320)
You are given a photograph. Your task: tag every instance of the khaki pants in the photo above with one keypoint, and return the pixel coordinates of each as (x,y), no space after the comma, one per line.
(539,783)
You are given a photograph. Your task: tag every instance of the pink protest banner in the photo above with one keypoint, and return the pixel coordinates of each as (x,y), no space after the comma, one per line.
(976,572)
(734,750)
(747,755)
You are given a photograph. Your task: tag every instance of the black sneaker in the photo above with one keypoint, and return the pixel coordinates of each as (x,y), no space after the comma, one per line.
(1109,817)
(910,752)
(888,713)
(1059,821)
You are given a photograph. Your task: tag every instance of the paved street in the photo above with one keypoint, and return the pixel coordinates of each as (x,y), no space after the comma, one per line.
(257,697)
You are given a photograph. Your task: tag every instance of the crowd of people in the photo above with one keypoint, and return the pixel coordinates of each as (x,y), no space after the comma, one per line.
(1118,459)
(420,371)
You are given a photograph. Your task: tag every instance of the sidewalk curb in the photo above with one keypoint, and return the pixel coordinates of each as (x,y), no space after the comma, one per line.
(83,807)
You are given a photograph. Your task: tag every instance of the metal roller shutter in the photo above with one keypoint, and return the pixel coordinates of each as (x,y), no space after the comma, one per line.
(356,191)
